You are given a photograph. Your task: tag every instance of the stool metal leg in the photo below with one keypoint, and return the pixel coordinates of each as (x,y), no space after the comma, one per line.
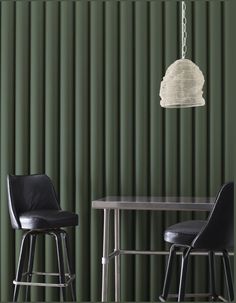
(69,265)
(60,264)
(211,258)
(105,260)
(228,275)
(183,273)
(20,265)
(117,258)
(63,280)
(30,265)
(168,275)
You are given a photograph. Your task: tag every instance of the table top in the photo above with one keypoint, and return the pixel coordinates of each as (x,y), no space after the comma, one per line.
(155,203)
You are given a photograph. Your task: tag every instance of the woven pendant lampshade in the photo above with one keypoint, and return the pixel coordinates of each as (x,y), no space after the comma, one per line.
(182,85)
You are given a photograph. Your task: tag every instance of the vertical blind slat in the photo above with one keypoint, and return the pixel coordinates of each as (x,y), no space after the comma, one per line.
(215,100)
(7,142)
(200,132)
(141,146)
(52,117)
(111,55)
(37,118)
(127,142)
(229,92)
(156,149)
(21,100)
(96,140)
(229,84)
(67,126)
(215,96)
(171,118)
(82,149)
(186,118)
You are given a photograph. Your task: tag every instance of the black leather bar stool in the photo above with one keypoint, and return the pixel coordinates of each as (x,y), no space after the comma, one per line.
(34,208)
(213,235)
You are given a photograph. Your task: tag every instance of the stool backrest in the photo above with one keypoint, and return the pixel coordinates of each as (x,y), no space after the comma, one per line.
(218,233)
(27,193)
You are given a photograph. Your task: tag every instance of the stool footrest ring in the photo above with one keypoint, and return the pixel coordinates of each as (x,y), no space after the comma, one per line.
(68,281)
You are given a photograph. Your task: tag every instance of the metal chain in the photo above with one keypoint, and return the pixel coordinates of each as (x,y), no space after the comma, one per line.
(184,30)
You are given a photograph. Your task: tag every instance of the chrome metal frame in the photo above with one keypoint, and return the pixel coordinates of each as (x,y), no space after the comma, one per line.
(105,258)
(116,254)
(67,282)
(65,279)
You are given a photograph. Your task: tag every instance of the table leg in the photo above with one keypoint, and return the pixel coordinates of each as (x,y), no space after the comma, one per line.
(117,258)
(105,259)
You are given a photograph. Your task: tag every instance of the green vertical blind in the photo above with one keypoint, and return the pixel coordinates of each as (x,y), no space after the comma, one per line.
(79,87)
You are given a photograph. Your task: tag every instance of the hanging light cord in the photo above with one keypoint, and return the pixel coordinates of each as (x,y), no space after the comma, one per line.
(184,30)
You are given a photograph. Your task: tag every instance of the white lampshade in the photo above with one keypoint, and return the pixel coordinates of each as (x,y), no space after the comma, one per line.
(182,85)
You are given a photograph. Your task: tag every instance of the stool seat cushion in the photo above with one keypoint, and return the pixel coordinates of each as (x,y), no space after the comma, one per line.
(46,219)
(184,232)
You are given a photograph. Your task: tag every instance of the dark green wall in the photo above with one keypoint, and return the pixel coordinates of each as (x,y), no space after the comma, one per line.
(79,87)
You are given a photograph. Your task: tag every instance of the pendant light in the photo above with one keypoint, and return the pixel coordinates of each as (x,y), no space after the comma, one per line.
(183,82)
